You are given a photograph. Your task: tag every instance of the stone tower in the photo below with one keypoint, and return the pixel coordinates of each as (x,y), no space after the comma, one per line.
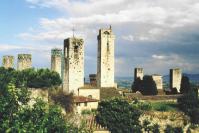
(73,73)
(158,81)
(105,58)
(56,61)
(138,73)
(175,78)
(24,61)
(8,61)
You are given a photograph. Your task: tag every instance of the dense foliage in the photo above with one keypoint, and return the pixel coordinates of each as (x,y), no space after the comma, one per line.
(118,116)
(170,129)
(146,86)
(189,103)
(185,85)
(16,115)
(30,78)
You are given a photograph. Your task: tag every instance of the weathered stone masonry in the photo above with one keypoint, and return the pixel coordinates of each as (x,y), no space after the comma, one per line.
(24,61)
(56,61)
(73,73)
(8,61)
(105,58)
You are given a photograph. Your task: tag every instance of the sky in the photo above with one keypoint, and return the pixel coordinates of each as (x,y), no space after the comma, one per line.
(154,34)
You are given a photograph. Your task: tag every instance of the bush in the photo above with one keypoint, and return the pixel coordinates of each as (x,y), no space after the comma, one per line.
(170,129)
(189,103)
(118,116)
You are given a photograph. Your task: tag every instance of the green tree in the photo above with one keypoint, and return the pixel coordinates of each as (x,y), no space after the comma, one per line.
(148,86)
(189,103)
(118,116)
(185,85)
(137,85)
(17,116)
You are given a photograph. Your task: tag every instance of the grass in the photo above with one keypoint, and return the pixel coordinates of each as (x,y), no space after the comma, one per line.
(164,106)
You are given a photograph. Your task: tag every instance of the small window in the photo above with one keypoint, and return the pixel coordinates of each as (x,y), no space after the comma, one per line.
(89,96)
(76,49)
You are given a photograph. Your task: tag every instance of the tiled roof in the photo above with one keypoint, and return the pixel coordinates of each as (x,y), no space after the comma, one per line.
(82,99)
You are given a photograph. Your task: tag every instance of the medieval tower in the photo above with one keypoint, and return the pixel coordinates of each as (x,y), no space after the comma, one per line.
(158,81)
(105,58)
(8,61)
(138,73)
(24,61)
(56,61)
(73,73)
(175,78)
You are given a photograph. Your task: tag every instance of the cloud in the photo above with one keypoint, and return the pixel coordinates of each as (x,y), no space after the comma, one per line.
(164,32)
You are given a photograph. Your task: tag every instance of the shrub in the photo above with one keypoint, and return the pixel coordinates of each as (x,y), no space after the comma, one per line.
(170,129)
(118,116)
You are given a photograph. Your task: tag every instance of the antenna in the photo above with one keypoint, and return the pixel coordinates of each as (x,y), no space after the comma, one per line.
(73,32)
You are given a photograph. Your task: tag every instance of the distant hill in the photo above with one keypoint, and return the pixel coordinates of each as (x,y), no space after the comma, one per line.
(126,82)
(194,78)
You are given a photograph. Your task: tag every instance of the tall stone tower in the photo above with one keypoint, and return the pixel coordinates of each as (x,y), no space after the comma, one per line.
(24,61)
(158,81)
(56,61)
(175,78)
(105,58)
(73,73)
(138,73)
(8,61)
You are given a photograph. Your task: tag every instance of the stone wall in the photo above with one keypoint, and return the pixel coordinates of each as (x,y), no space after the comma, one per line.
(24,61)
(73,74)
(38,93)
(105,58)
(91,93)
(8,61)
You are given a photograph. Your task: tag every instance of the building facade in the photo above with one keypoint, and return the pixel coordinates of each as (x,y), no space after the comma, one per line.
(8,61)
(105,58)
(56,61)
(24,61)
(73,73)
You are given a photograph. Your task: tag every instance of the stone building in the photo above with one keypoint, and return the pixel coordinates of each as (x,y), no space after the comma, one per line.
(175,78)
(8,61)
(93,80)
(24,61)
(73,73)
(158,81)
(138,73)
(105,58)
(56,61)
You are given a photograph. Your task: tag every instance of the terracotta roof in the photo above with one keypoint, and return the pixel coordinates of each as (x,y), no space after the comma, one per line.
(82,99)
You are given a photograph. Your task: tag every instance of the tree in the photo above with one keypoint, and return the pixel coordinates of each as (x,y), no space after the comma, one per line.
(17,116)
(170,129)
(189,103)
(148,86)
(185,85)
(137,85)
(118,116)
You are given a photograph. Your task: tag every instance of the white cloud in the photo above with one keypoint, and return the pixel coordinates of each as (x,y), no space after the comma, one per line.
(158,56)
(138,21)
